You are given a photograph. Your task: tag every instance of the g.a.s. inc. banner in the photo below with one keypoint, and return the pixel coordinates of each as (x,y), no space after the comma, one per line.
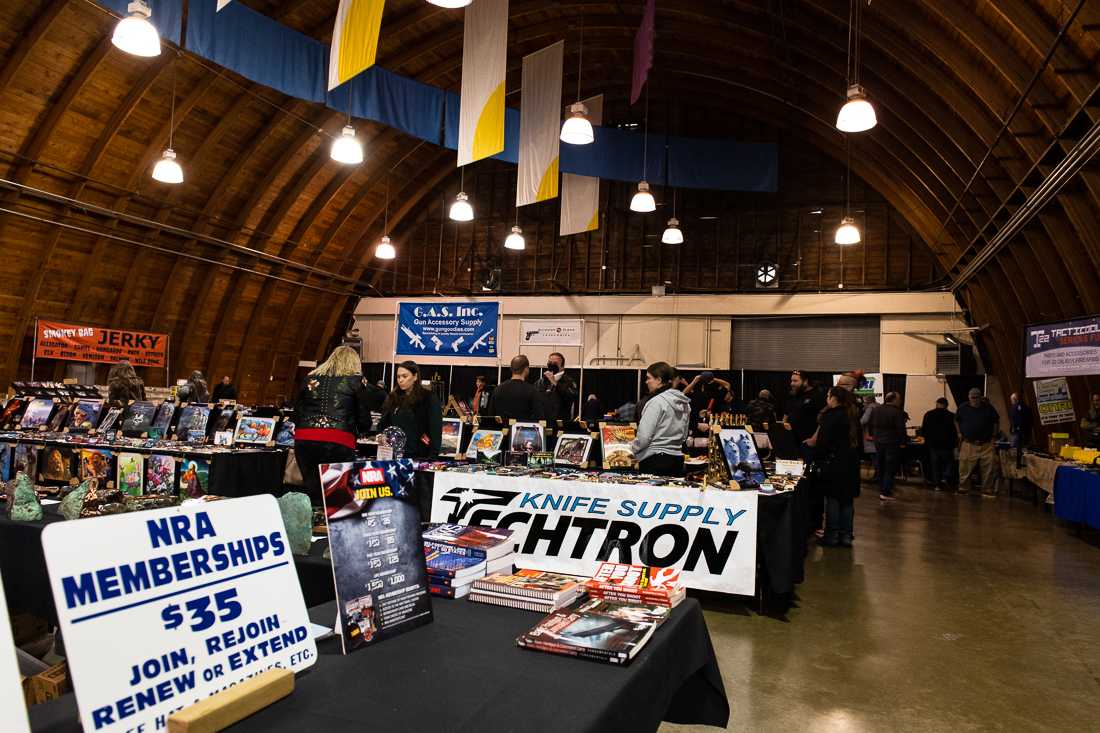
(447,329)
(1070,348)
(571,527)
(54,340)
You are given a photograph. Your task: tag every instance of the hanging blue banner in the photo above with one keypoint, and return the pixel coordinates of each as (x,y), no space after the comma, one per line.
(447,329)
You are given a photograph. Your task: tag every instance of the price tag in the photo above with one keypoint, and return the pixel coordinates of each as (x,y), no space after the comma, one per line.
(162,608)
(792,468)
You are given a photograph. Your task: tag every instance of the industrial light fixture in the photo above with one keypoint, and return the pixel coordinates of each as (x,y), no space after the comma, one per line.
(643,200)
(461,210)
(385,249)
(347,148)
(847,232)
(673,234)
(577,130)
(515,240)
(167,169)
(857,114)
(135,34)
(450,3)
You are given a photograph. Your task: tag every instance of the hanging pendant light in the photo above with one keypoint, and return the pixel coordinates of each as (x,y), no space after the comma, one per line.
(385,249)
(450,3)
(857,114)
(847,232)
(577,130)
(135,34)
(672,234)
(643,201)
(347,148)
(515,240)
(167,169)
(461,210)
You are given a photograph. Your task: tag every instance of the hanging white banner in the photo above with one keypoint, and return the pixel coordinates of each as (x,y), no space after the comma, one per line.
(484,63)
(540,126)
(571,527)
(580,195)
(548,332)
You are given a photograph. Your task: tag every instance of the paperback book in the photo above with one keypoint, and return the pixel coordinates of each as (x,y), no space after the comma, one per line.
(636,583)
(595,629)
(449,591)
(535,585)
(617,444)
(487,543)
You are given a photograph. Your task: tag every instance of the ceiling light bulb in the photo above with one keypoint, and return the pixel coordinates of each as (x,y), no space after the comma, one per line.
(135,34)
(461,209)
(167,170)
(577,130)
(643,200)
(451,3)
(847,232)
(346,148)
(857,114)
(673,235)
(385,250)
(515,240)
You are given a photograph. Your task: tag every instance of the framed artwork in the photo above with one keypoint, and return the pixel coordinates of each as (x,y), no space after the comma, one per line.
(194,477)
(60,417)
(285,435)
(739,449)
(95,463)
(223,437)
(528,436)
(37,413)
(56,464)
(164,416)
(139,417)
(451,443)
(131,473)
(484,441)
(255,430)
(193,419)
(160,475)
(25,460)
(109,420)
(224,419)
(85,414)
(572,450)
(5,461)
(617,444)
(9,417)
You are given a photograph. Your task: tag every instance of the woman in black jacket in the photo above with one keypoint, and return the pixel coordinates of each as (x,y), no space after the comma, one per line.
(836,452)
(331,412)
(416,411)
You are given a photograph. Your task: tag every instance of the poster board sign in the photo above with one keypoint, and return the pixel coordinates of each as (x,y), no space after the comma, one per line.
(570,527)
(870,384)
(1053,401)
(74,342)
(1066,349)
(377,550)
(447,329)
(163,608)
(547,332)
(13,709)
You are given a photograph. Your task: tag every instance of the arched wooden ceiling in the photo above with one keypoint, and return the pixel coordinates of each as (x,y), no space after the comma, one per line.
(253,263)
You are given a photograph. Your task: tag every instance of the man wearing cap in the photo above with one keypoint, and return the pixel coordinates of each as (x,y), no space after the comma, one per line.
(977,421)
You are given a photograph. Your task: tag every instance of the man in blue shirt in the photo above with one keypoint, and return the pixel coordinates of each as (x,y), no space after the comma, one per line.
(978,422)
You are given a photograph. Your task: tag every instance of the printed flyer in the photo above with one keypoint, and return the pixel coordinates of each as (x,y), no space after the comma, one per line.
(1053,400)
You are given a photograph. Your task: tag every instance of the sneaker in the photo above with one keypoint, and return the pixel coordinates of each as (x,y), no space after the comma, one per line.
(885,497)
(989,495)
(963,490)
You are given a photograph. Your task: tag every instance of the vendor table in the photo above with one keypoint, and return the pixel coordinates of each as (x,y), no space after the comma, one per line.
(464,672)
(1077,495)
(1040,471)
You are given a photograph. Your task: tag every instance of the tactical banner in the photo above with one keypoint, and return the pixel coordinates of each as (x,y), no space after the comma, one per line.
(571,527)
(1070,348)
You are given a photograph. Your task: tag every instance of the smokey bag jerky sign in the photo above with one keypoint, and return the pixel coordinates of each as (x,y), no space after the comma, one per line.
(163,608)
(54,340)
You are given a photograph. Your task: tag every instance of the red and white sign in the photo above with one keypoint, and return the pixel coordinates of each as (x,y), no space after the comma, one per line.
(73,342)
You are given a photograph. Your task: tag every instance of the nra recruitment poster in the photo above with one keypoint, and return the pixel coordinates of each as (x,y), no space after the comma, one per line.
(570,527)
(1067,349)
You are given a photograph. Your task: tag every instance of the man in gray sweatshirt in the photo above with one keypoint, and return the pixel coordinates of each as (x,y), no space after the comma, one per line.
(663,426)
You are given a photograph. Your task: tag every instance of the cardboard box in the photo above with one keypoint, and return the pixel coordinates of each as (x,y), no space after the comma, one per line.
(51,684)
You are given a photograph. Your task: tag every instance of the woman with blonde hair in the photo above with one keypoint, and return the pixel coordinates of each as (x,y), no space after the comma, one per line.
(331,412)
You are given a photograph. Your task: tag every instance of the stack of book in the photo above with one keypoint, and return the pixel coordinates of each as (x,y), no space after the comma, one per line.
(592,628)
(532,590)
(457,555)
(636,584)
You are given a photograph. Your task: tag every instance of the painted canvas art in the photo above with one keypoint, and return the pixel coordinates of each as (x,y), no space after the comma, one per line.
(194,477)
(131,473)
(164,416)
(56,464)
(285,435)
(95,463)
(224,419)
(192,422)
(5,461)
(37,413)
(485,441)
(528,437)
(85,414)
(252,429)
(139,417)
(617,444)
(741,456)
(110,419)
(25,460)
(452,437)
(160,475)
(10,416)
(60,417)
(572,450)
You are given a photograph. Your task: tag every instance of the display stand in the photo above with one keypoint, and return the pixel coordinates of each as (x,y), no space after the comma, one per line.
(234,704)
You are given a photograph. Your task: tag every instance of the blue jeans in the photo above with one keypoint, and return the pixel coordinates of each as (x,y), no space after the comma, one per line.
(889,457)
(839,519)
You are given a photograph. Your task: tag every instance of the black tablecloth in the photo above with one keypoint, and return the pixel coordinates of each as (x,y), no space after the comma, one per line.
(248,473)
(464,673)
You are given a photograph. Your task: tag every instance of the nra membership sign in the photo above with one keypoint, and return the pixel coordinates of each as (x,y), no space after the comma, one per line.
(72,342)
(163,608)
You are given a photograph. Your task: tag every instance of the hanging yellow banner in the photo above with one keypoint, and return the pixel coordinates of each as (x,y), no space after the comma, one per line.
(484,63)
(580,195)
(354,39)
(540,125)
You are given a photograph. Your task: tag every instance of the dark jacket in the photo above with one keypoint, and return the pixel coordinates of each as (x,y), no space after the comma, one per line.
(1020,417)
(802,411)
(516,400)
(375,396)
(834,453)
(121,391)
(887,424)
(977,424)
(423,425)
(760,412)
(338,403)
(558,400)
(223,392)
(592,412)
(938,429)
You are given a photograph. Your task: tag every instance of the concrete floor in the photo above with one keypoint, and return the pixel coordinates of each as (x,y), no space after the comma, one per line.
(951,613)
